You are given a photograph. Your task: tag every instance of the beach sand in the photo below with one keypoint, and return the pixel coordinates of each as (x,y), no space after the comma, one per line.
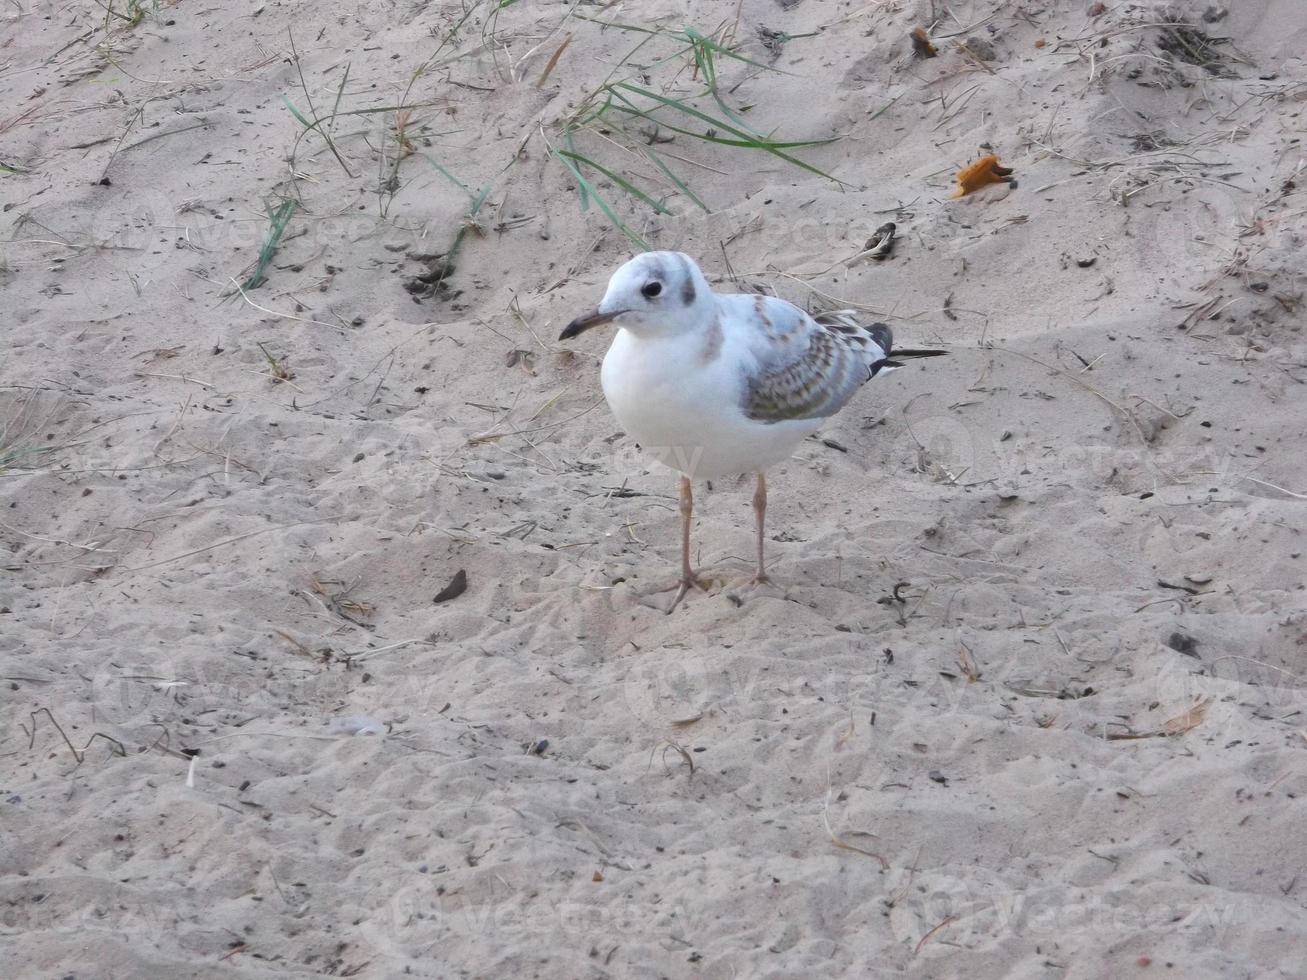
(1026,698)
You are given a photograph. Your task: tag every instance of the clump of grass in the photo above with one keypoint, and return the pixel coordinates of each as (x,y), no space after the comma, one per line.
(1192,44)
(615,143)
(404,132)
(638,118)
(277,369)
(323,126)
(20,429)
(131,14)
(278,218)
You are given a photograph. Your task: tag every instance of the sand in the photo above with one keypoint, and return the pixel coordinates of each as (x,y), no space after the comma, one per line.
(1026,698)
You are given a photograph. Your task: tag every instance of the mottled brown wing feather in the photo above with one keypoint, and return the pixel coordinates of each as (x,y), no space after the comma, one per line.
(811,370)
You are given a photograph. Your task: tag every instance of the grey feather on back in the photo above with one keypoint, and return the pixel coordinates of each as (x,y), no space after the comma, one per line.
(815,379)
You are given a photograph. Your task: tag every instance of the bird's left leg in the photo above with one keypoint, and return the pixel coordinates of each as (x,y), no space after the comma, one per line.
(760,513)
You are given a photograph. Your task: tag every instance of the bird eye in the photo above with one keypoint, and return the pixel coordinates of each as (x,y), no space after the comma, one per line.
(651,289)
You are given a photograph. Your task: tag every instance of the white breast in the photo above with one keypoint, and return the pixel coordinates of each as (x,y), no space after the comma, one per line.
(683,407)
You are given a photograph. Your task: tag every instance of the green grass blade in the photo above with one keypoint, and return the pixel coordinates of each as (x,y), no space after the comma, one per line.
(658,162)
(746,137)
(308,97)
(278,219)
(296,113)
(703,59)
(595,113)
(743,139)
(603,205)
(633,28)
(451,178)
(461,235)
(699,39)
(621,182)
(584,193)
(748,142)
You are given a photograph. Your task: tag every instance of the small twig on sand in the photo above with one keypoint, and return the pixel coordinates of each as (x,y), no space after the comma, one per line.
(226,541)
(930,935)
(1295,496)
(1125,412)
(837,840)
(79,755)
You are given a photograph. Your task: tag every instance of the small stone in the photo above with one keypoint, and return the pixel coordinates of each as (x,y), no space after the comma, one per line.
(1181,643)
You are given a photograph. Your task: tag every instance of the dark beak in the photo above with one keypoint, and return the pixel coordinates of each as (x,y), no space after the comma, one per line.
(583,323)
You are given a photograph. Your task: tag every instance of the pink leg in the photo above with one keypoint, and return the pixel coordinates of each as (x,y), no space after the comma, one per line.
(688,579)
(760,512)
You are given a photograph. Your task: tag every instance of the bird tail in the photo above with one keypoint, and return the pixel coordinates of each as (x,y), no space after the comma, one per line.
(894,356)
(884,337)
(846,321)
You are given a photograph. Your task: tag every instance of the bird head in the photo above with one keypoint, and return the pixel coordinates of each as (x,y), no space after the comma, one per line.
(654,293)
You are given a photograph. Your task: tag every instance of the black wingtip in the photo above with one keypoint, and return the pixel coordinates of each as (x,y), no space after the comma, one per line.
(918,352)
(883,336)
(884,364)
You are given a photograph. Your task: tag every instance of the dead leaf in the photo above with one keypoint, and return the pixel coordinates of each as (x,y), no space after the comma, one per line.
(986,170)
(921,46)
(1188,721)
(553,61)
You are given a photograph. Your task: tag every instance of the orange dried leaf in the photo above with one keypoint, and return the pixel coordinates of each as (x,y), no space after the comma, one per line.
(921,46)
(986,170)
(1188,721)
(553,62)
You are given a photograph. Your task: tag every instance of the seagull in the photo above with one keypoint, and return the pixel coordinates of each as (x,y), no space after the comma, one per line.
(711,384)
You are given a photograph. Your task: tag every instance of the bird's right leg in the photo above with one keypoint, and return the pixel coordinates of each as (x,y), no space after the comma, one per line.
(760,515)
(688,579)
